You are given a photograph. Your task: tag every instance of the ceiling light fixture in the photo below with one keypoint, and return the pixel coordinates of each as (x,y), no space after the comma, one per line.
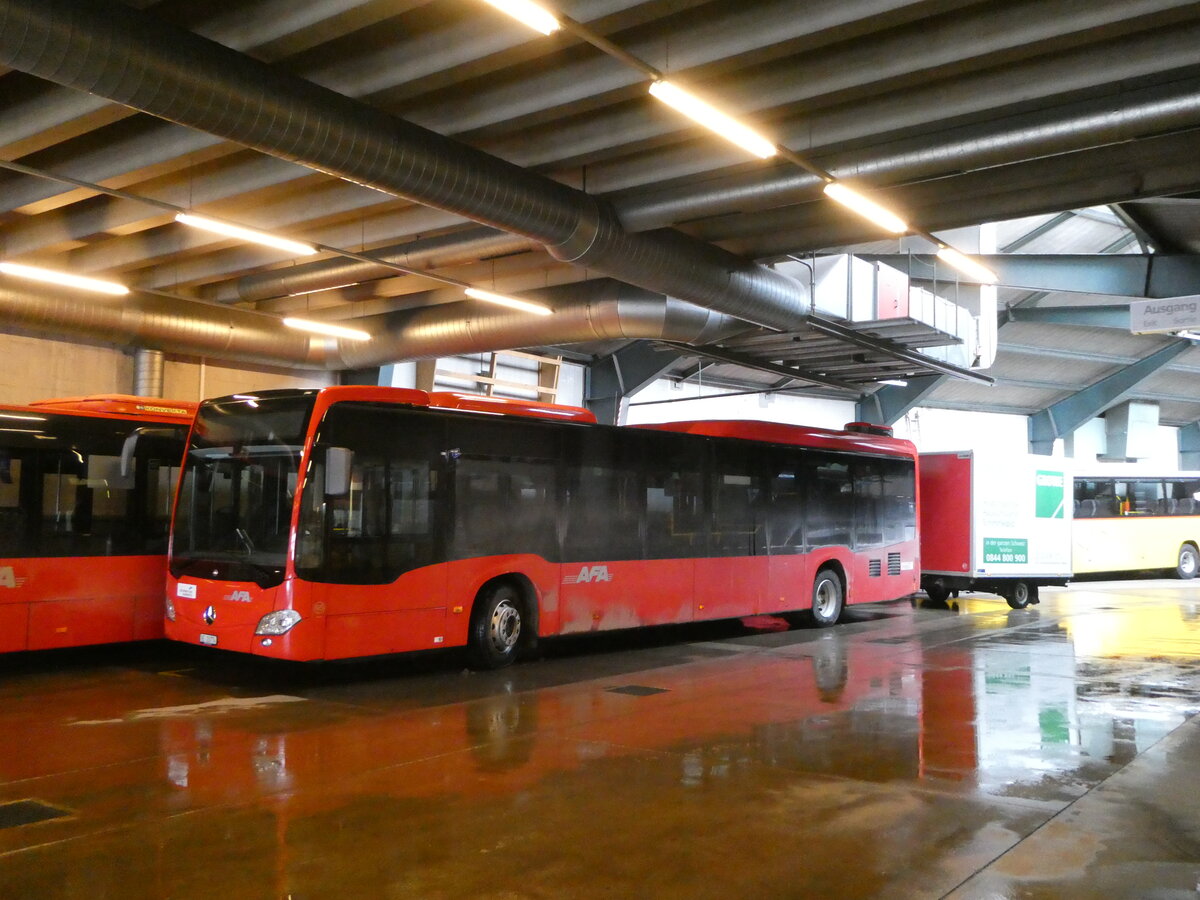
(246,234)
(527,13)
(712,119)
(512,302)
(973,268)
(53,277)
(894,382)
(865,207)
(326,328)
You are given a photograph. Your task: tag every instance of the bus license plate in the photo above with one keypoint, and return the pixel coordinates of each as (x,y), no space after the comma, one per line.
(208,640)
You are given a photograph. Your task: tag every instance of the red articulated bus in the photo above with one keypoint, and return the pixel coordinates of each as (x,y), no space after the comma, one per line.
(86,485)
(359,521)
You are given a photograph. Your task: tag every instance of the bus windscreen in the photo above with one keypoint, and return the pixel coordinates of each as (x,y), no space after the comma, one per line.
(240,475)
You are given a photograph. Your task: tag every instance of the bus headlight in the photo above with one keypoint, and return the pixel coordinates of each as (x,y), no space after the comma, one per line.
(279,622)
(170,609)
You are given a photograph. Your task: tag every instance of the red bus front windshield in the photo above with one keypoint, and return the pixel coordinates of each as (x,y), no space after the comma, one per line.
(239,481)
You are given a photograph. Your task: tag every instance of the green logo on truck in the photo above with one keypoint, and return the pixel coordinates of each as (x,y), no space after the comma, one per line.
(1051,495)
(1005,550)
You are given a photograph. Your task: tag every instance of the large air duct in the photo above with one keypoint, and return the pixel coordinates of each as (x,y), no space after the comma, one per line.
(602,310)
(131,58)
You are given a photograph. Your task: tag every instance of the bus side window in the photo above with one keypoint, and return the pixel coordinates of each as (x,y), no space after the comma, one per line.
(13,513)
(739,496)
(674,497)
(829,515)
(1144,498)
(785,514)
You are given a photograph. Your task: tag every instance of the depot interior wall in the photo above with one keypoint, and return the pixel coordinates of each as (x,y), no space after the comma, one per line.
(198,379)
(667,401)
(38,369)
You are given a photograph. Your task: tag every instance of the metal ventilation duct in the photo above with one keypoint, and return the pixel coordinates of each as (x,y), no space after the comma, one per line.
(603,310)
(131,58)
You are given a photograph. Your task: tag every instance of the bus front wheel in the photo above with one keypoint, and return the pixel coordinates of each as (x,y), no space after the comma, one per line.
(495,630)
(1189,562)
(828,599)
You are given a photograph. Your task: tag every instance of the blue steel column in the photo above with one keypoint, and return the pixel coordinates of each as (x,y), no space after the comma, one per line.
(1189,446)
(891,402)
(613,379)
(1062,418)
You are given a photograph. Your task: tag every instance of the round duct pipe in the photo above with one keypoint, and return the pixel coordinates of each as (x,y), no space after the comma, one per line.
(131,58)
(592,311)
(148,368)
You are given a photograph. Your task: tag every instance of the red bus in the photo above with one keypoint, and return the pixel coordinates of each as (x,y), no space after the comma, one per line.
(86,485)
(358,521)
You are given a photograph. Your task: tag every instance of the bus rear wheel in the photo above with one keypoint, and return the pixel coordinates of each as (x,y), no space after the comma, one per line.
(1189,562)
(495,631)
(827,599)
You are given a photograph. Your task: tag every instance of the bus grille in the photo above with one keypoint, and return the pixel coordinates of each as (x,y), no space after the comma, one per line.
(893,563)
(874,568)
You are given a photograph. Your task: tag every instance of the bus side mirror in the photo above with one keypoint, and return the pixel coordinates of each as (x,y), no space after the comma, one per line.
(338,462)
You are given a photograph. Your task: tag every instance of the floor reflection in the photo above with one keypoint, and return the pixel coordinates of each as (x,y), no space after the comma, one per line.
(926,742)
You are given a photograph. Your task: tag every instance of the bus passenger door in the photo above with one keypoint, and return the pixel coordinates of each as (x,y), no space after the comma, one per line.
(732,580)
(790,579)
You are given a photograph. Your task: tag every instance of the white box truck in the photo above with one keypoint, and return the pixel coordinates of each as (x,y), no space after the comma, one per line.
(994,523)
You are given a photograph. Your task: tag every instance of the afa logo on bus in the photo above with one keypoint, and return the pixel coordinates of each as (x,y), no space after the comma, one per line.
(588,574)
(9,579)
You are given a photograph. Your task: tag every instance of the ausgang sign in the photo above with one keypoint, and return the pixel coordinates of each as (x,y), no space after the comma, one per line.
(1169,314)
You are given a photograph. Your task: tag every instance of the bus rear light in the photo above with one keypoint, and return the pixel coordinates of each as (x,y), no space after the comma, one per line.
(279,622)
(170,608)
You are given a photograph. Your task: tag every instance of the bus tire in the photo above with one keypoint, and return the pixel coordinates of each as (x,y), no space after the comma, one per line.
(1189,562)
(1020,594)
(828,598)
(494,634)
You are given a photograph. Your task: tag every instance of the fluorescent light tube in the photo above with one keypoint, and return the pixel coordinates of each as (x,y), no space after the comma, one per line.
(527,13)
(512,302)
(894,382)
(327,328)
(868,209)
(245,234)
(75,281)
(976,270)
(713,119)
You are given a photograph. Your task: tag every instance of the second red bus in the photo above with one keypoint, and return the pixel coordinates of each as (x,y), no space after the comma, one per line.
(357,521)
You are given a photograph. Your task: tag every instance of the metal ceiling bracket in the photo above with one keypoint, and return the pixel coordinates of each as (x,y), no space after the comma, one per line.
(1063,417)
(740,359)
(892,402)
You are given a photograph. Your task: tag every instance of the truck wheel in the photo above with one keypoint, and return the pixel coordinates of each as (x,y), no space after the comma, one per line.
(1021,594)
(1189,562)
(937,592)
(827,599)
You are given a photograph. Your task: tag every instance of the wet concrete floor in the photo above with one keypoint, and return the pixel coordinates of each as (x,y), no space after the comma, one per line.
(974,751)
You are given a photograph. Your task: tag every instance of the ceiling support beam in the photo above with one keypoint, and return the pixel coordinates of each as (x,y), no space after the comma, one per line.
(1149,275)
(892,402)
(1089,316)
(1189,446)
(1063,417)
(611,380)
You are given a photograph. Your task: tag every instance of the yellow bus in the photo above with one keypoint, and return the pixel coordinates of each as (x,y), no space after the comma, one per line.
(1137,523)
